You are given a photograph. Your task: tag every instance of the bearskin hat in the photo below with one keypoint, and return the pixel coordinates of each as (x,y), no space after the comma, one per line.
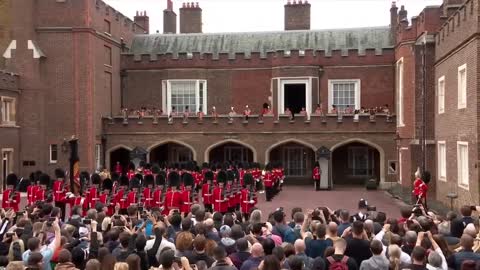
(115,177)
(139,176)
(96,179)
(173,179)
(123,180)
(107,184)
(12,179)
(84,177)
(187,179)
(317,164)
(160,179)
(148,180)
(205,165)
(426,177)
(209,176)
(148,166)
(268,167)
(59,173)
(248,179)
(156,169)
(221,177)
(44,179)
(142,163)
(134,183)
(230,175)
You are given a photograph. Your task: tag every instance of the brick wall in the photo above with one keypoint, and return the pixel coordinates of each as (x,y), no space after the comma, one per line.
(297,16)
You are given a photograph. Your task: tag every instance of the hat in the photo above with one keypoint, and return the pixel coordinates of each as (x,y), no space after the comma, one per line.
(44,179)
(59,173)
(123,180)
(160,179)
(173,179)
(115,177)
(134,183)
(225,230)
(230,175)
(248,179)
(96,179)
(221,177)
(187,179)
(209,175)
(107,184)
(426,177)
(317,164)
(155,169)
(362,204)
(148,181)
(139,176)
(12,179)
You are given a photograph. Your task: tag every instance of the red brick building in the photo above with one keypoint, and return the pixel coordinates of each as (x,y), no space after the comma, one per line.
(80,62)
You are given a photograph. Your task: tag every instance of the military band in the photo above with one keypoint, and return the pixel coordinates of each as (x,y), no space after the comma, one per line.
(221,188)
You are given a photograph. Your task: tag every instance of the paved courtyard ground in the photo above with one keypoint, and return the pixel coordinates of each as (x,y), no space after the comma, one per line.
(340,198)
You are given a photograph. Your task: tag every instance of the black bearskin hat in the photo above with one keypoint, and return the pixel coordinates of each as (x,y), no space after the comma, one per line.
(12,179)
(187,179)
(317,164)
(221,177)
(160,179)
(107,184)
(426,177)
(173,179)
(96,179)
(59,173)
(209,176)
(248,179)
(230,175)
(44,179)
(123,180)
(139,176)
(205,165)
(84,177)
(148,180)
(115,177)
(148,166)
(155,169)
(134,183)
(268,167)
(142,163)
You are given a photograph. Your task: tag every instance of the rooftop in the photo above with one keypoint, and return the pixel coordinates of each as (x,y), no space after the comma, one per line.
(360,39)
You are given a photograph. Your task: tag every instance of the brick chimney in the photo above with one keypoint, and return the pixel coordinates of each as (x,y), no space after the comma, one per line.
(394,21)
(450,6)
(169,19)
(190,18)
(402,16)
(297,15)
(143,20)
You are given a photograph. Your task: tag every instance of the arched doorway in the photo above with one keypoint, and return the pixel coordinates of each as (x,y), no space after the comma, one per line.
(230,152)
(121,155)
(171,152)
(297,159)
(354,163)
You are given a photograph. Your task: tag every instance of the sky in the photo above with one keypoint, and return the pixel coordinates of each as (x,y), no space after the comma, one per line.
(268,15)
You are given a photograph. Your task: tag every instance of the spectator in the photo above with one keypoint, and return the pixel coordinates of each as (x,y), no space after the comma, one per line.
(34,245)
(198,253)
(35,261)
(418,258)
(121,266)
(332,231)
(455,261)
(358,247)
(270,263)
(281,228)
(159,231)
(377,261)
(435,261)
(65,261)
(222,262)
(316,246)
(227,242)
(280,254)
(242,254)
(344,222)
(339,256)
(300,253)
(133,262)
(410,241)
(93,264)
(254,261)
(394,252)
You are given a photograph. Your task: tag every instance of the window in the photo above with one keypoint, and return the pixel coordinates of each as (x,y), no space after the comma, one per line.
(343,93)
(360,161)
(53,153)
(462,164)
(442,161)
(8,110)
(462,86)
(183,93)
(98,156)
(295,160)
(441,95)
(7,164)
(401,155)
(106,26)
(399,84)
(108,55)
(108,84)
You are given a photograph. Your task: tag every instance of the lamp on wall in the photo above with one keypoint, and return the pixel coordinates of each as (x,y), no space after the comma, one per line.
(64,146)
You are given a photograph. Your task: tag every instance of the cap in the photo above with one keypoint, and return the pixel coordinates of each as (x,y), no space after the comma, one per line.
(209,175)
(225,230)
(230,175)
(155,169)
(115,177)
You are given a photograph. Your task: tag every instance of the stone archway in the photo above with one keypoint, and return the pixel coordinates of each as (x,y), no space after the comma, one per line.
(230,151)
(169,152)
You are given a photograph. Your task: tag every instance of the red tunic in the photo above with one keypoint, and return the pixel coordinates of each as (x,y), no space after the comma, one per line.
(118,169)
(316,173)
(58,191)
(130,175)
(420,188)
(9,201)
(241,173)
(246,202)
(268,179)
(132,198)
(119,198)
(173,200)
(92,197)
(157,198)
(147,198)
(39,195)
(219,201)
(31,191)
(186,202)
(206,195)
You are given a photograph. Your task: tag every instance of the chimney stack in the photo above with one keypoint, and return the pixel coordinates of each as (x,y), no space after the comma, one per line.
(394,21)
(297,15)
(143,20)
(190,18)
(169,19)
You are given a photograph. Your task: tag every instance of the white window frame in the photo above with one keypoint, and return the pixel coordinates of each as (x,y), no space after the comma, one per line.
(308,95)
(442,161)
(400,165)
(51,160)
(98,156)
(358,91)
(399,93)
(166,92)
(6,114)
(441,95)
(10,160)
(463,169)
(462,88)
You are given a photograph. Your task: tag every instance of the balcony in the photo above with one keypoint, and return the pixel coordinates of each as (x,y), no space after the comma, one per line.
(149,125)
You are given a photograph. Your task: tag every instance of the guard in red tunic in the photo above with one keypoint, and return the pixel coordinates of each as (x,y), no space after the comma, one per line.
(317,172)
(32,189)
(60,188)
(118,168)
(92,197)
(134,195)
(219,198)
(147,170)
(420,187)
(268,182)
(207,191)
(257,175)
(188,195)
(230,192)
(120,195)
(248,198)
(159,193)
(131,174)
(11,197)
(173,197)
(105,196)
(41,192)
(147,194)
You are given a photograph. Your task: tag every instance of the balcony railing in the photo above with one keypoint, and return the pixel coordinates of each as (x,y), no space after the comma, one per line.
(254,124)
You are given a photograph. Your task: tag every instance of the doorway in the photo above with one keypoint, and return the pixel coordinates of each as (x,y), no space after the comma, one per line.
(294,97)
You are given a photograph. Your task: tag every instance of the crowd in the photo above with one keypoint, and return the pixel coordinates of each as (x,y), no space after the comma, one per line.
(148,237)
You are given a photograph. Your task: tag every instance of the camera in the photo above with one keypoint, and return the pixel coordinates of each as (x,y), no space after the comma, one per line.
(116,216)
(87,221)
(140,209)
(371,208)
(144,217)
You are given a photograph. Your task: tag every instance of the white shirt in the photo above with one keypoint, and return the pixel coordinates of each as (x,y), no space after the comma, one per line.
(404,257)
(165,243)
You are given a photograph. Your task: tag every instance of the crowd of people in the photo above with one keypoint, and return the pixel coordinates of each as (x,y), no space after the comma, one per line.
(103,234)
